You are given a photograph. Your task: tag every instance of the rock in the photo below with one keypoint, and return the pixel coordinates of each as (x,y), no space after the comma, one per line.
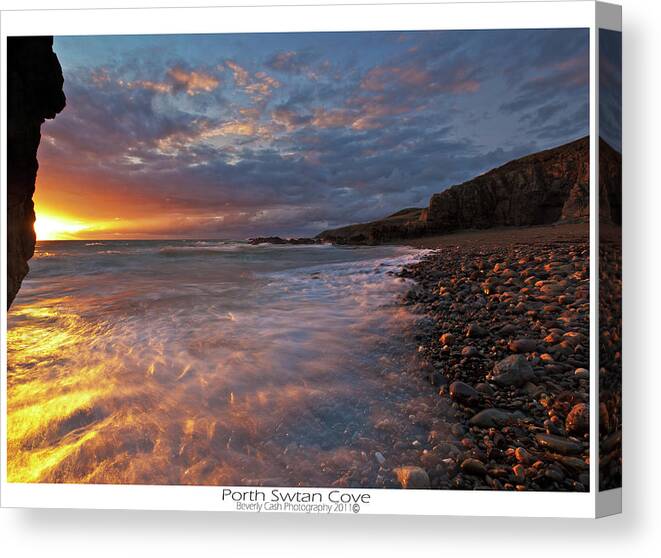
(463,393)
(486,389)
(513,370)
(552,183)
(558,443)
(575,463)
(554,474)
(447,339)
(507,329)
(34,93)
(474,467)
(410,476)
(491,418)
(604,418)
(522,455)
(470,352)
(578,420)
(582,373)
(519,473)
(523,346)
(280,240)
(458,430)
(476,331)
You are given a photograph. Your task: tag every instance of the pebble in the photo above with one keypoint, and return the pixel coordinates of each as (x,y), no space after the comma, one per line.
(476,331)
(484,388)
(411,476)
(519,472)
(472,466)
(447,339)
(578,419)
(582,373)
(463,393)
(513,370)
(470,352)
(491,418)
(508,329)
(523,346)
(522,455)
(558,443)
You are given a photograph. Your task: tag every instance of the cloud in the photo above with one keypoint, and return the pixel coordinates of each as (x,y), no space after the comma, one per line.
(176,80)
(457,81)
(334,118)
(289,118)
(192,82)
(258,86)
(296,63)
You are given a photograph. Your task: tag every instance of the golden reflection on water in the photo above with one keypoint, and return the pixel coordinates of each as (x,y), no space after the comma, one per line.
(39,403)
(131,391)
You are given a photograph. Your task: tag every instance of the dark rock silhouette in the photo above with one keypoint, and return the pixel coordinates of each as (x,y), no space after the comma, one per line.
(407,223)
(280,240)
(551,186)
(34,93)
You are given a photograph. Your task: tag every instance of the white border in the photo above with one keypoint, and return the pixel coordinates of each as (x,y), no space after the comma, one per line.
(507,15)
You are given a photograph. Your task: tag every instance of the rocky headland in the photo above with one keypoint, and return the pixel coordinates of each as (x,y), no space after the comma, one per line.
(548,187)
(279,240)
(34,93)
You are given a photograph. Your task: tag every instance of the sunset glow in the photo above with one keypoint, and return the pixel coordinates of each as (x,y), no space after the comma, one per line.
(49,227)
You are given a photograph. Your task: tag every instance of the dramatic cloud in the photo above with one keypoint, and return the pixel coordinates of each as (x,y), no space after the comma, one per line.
(238,135)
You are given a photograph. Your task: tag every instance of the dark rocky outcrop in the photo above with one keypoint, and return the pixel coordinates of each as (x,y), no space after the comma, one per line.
(551,186)
(610,184)
(34,93)
(407,223)
(280,240)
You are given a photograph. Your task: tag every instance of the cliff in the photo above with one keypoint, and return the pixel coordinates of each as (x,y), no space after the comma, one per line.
(34,93)
(543,188)
(406,223)
(610,184)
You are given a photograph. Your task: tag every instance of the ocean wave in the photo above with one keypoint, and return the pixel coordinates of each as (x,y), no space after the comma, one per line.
(201,249)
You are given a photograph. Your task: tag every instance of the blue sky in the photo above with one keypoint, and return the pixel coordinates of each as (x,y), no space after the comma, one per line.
(238,135)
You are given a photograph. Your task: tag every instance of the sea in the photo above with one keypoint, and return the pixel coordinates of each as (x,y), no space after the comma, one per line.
(210,363)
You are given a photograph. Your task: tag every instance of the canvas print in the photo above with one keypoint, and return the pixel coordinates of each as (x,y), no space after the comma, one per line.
(355,259)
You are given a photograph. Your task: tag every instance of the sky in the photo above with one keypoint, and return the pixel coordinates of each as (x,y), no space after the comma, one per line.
(610,87)
(239,135)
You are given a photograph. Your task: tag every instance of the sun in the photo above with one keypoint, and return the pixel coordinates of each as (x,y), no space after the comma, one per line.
(48,227)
